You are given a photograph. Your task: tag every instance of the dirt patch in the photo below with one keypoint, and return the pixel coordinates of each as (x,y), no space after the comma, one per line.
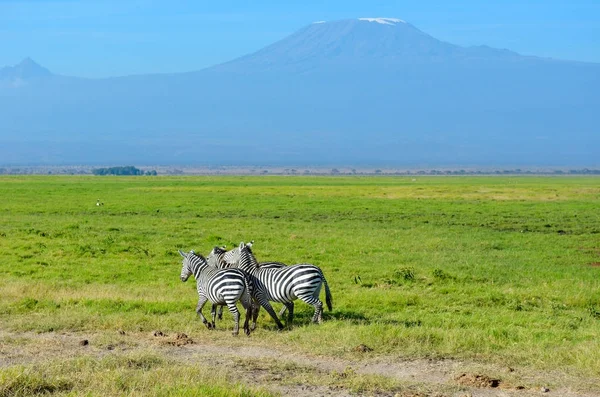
(475,380)
(362,349)
(595,264)
(179,339)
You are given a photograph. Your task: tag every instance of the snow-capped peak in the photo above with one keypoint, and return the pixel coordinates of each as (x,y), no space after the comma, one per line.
(383,21)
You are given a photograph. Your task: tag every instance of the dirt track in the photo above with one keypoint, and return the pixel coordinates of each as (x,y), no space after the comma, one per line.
(436,378)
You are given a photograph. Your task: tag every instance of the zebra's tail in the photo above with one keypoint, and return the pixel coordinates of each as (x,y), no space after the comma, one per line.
(328,298)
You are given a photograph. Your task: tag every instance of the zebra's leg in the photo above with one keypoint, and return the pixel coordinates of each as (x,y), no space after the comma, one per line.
(265,303)
(220,313)
(318,317)
(290,308)
(236,317)
(248,305)
(317,304)
(282,311)
(255,311)
(213,313)
(199,307)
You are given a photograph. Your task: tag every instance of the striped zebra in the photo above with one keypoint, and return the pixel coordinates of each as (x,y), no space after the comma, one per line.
(286,284)
(220,258)
(220,286)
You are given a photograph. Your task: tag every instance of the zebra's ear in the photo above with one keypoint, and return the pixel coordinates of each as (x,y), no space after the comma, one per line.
(242,245)
(182,253)
(249,245)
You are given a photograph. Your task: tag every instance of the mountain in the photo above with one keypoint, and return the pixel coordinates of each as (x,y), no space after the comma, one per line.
(374,91)
(368,41)
(27,69)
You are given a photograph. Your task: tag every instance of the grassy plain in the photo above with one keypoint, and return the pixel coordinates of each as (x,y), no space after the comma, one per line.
(502,270)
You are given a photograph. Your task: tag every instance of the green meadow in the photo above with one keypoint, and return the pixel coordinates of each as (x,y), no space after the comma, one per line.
(502,270)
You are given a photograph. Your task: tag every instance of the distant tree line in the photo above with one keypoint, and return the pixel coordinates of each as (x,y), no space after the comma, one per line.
(126,170)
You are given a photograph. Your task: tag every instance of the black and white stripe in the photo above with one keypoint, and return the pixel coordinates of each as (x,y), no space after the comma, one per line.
(220,287)
(232,257)
(286,284)
(221,258)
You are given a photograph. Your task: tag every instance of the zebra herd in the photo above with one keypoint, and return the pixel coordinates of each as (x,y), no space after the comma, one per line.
(226,277)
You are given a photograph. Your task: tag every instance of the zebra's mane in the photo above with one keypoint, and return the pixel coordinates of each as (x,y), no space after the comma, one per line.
(215,258)
(196,256)
(248,248)
(218,250)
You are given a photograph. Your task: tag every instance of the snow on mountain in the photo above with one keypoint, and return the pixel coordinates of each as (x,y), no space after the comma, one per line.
(383,21)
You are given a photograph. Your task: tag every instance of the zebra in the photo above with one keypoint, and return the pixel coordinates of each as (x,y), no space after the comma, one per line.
(220,286)
(220,258)
(286,284)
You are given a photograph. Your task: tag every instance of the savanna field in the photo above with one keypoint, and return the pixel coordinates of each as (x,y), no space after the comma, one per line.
(490,272)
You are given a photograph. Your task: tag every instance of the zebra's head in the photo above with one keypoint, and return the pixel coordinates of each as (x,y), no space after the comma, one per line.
(186,268)
(247,246)
(247,261)
(215,258)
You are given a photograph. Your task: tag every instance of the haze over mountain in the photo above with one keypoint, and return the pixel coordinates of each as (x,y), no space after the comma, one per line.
(372,91)
(26,69)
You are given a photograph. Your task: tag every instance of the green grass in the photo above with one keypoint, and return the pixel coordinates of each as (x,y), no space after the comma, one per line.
(140,375)
(497,269)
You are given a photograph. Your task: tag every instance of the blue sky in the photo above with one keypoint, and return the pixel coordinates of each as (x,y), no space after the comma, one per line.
(99,38)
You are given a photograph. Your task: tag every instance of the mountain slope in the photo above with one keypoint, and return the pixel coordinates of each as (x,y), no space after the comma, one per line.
(375,91)
(364,40)
(26,69)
